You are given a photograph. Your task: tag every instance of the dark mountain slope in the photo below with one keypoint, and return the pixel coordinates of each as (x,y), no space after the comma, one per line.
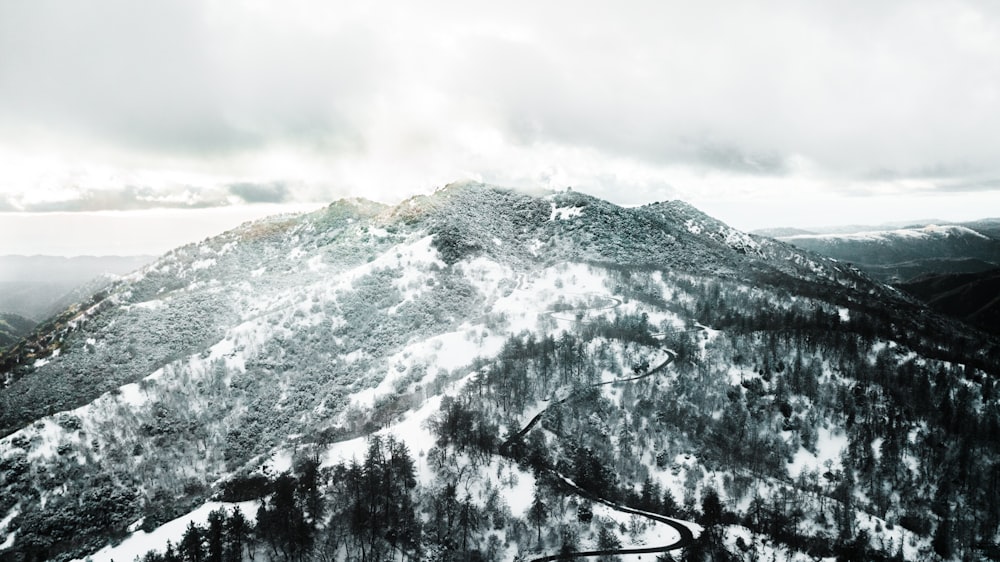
(990,227)
(13,327)
(949,267)
(972,297)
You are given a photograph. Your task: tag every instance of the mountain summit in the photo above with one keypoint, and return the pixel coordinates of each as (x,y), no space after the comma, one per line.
(449,376)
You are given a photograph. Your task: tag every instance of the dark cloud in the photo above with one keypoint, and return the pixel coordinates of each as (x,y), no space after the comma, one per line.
(274,192)
(935,171)
(128,198)
(172,77)
(733,159)
(973,186)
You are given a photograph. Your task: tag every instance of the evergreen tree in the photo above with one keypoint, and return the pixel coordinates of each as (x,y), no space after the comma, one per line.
(942,539)
(237,536)
(607,540)
(170,553)
(214,536)
(538,513)
(711,507)
(283,525)
(308,487)
(669,504)
(192,548)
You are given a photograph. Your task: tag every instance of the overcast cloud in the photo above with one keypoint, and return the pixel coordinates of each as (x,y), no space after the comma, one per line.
(116,104)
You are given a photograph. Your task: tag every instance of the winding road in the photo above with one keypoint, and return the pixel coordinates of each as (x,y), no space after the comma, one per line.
(686,535)
(505,446)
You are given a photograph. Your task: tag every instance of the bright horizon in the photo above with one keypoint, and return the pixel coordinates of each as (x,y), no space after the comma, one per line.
(760,114)
(156,231)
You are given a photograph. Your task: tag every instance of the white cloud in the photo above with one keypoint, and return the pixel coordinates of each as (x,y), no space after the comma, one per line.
(712,101)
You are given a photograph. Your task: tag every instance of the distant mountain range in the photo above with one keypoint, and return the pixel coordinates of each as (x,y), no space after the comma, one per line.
(37,287)
(953,267)
(907,251)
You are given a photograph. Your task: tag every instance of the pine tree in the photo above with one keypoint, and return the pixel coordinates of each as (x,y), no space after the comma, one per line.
(942,539)
(237,536)
(283,526)
(538,513)
(214,535)
(711,507)
(608,540)
(192,548)
(669,504)
(170,553)
(308,487)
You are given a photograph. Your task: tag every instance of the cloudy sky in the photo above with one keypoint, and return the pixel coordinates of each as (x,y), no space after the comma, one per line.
(131,127)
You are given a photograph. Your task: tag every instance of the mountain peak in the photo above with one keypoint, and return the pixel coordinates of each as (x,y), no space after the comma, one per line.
(444,321)
(459,185)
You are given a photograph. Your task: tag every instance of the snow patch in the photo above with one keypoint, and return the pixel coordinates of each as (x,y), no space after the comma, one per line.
(829,449)
(149,305)
(203,264)
(131,394)
(448,352)
(9,540)
(140,542)
(564,213)
(411,430)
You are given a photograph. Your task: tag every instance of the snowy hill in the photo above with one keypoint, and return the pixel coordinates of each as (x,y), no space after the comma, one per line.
(929,232)
(509,376)
(902,254)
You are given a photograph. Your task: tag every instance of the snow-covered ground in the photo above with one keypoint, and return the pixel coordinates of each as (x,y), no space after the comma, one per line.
(448,351)
(564,213)
(829,449)
(140,542)
(9,537)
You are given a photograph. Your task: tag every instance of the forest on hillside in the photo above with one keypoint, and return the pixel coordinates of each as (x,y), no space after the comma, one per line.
(629,360)
(711,438)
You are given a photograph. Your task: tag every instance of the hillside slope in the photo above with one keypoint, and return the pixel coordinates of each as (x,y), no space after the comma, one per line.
(973,297)
(12,328)
(362,381)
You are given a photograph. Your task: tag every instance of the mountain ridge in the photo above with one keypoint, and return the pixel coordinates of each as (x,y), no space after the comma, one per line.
(445,319)
(672,234)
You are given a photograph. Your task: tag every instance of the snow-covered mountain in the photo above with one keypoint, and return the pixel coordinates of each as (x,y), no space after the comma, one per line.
(902,254)
(528,363)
